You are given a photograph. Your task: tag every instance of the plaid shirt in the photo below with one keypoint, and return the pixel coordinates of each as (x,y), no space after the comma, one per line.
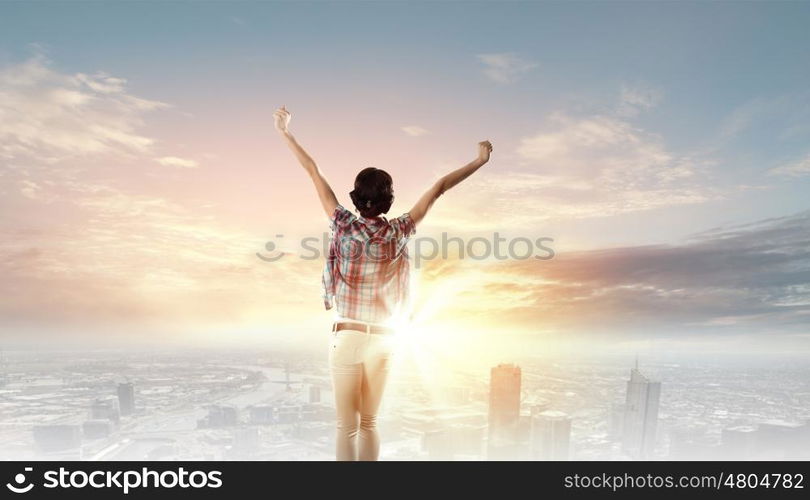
(367,269)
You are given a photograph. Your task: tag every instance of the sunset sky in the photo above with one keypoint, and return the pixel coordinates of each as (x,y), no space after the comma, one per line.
(665,147)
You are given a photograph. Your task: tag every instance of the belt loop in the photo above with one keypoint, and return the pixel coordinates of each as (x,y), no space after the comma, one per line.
(368,329)
(334,326)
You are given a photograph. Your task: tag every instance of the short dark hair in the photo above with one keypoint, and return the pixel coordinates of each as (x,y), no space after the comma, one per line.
(373,192)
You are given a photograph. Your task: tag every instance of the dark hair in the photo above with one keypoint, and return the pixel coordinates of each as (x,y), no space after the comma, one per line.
(373,192)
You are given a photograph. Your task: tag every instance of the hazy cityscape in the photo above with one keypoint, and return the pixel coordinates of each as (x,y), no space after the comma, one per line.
(266,405)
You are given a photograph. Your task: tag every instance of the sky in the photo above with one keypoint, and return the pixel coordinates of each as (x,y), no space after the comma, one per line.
(664,147)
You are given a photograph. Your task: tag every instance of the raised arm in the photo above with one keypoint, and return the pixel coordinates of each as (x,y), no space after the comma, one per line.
(325,193)
(431,195)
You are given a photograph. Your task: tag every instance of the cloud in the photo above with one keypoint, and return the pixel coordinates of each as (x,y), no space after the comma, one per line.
(414,130)
(102,83)
(51,116)
(582,167)
(29,189)
(174,161)
(92,240)
(779,118)
(751,279)
(505,67)
(611,149)
(797,168)
(747,115)
(638,98)
(117,258)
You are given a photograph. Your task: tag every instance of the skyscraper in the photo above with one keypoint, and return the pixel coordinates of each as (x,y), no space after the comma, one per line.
(504,411)
(550,435)
(640,415)
(105,409)
(126,398)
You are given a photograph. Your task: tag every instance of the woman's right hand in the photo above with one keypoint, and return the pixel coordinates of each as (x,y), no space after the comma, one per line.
(282,119)
(484,149)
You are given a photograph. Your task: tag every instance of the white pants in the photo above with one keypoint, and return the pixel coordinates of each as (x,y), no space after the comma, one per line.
(359,364)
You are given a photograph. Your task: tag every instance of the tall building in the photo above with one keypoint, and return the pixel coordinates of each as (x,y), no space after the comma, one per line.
(221,416)
(550,435)
(105,409)
(504,411)
(126,398)
(262,414)
(616,421)
(640,415)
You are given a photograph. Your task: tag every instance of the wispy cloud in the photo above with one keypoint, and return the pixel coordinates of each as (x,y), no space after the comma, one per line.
(175,161)
(796,168)
(584,167)
(29,189)
(782,117)
(621,154)
(414,130)
(102,83)
(51,115)
(505,67)
(637,98)
(141,258)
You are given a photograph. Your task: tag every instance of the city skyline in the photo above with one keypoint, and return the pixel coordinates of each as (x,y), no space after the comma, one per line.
(277,406)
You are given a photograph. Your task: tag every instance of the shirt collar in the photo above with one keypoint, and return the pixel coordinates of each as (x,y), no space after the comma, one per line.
(371,221)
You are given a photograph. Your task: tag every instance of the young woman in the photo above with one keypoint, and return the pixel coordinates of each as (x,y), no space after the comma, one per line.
(366,277)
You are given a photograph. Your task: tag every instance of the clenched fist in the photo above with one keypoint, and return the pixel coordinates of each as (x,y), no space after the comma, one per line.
(484,149)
